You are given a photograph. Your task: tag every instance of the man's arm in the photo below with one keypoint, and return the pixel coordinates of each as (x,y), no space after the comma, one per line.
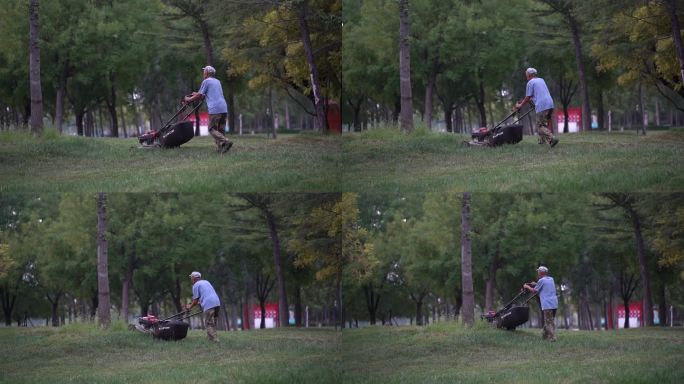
(192,97)
(194,302)
(519,104)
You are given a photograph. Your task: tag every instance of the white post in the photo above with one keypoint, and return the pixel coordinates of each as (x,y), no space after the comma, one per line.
(240,119)
(610,120)
(306,317)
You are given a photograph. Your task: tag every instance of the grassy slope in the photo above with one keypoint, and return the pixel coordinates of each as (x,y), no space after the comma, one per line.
(81,354)
(379,160)
(440,353)
(73,164)
(585,162)
(446,353)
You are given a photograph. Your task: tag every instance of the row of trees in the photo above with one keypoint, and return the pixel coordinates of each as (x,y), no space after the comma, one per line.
(347,257)
(122,63)
(607,56)
(601,249)
(252,247)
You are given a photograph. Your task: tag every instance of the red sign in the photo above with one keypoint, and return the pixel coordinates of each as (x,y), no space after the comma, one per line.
(574,119)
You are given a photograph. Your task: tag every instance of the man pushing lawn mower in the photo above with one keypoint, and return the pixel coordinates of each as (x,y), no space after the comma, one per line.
(205,295)
(546,288)
(538,92)
(218,108)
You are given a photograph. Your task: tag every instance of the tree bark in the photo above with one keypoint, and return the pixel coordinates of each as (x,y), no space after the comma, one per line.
(104,317)
(321,121)
(54,306)
(584,88)
(490,286)
(642,110)
(406,120)
(429,90)
(111,105)
(671,6)
(8,301)
(372,302)
(466,263)
(34,69)
(283,309)
(647,309)
(59,100)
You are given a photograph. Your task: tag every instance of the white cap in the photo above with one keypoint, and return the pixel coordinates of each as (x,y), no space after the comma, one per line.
(531,71)
(196,274)
(209,69)
(540,269)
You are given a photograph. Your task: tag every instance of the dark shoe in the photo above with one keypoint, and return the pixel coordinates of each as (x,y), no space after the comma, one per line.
(225,146)
(553,142)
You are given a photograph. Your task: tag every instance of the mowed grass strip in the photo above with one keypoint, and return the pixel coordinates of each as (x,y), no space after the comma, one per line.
(387,161)
(255,163)
(381,160)
(84,354)
(448,353)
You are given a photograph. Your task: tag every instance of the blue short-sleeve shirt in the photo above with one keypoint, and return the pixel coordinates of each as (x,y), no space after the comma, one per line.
(213,93)
(539,92)
(206,294)
(546,288)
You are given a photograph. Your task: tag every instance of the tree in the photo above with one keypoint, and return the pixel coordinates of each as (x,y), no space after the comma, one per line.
(568,10)
(628,204)
(406,120)
(34,64)
(466,263)
(103,315)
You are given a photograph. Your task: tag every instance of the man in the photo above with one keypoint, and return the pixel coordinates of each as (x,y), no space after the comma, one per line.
(546,288)
(205,295)
(538,92)
(218,109)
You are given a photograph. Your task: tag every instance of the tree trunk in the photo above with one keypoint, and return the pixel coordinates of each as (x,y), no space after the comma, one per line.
(111,105)
(125,292)
(600,113)
(208,48)
(584,88)
(490,287)
(8,301)
(321,122)
(283,309)
(59,100)
(34,69)
(54,306)
(448,118)
(298,305)
(272,116)
(671,6)
(419,310)
(466,263)
(647,309)
(429,90)
(480,98)
(104,317)
(642,110)
(372,302)
(406,120)
(662,305)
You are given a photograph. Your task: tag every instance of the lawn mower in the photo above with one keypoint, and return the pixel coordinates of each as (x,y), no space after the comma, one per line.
(172,135)
(170,328)
(499,135)
(513,314)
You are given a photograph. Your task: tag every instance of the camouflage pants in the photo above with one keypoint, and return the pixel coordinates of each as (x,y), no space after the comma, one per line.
(210,317)
(549,325)
(543,126)
(217,125)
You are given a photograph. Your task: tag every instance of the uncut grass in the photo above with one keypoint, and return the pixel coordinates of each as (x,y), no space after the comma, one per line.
(84,354)
(449,353)
(581,162)
(382,160)
(60,164)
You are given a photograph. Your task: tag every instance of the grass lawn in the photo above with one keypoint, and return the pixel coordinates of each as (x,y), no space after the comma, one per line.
(381,160)
(442,353)
(447,353)
(83,354)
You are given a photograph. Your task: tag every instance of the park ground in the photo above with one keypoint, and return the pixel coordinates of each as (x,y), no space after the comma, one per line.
(380,160)
(441,353)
